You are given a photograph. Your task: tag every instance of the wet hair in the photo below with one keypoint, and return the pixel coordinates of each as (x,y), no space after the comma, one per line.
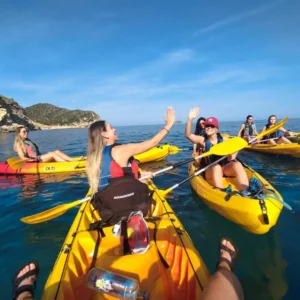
(269,119)
(198,127)
(96,145)
(248,117)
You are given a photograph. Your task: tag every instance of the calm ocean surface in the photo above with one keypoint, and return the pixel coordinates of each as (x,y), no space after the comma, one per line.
(268,266)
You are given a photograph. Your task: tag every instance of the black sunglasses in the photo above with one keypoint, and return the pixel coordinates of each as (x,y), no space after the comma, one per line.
(210,126)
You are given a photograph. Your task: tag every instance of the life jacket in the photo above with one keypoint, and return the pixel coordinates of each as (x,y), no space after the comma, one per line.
(111,169)
(273,135)
(32,149)
(249,129)
(212,158)
(120,198)
(202,132)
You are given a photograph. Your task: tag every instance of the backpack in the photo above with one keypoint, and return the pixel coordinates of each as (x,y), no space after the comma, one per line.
(120,198)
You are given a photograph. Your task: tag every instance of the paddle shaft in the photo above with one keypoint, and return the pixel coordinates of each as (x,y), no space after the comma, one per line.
(265,140)
(225,148)
(195,174)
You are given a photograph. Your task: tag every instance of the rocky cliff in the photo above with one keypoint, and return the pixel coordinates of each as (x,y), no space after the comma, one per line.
(13,115)
(41,116)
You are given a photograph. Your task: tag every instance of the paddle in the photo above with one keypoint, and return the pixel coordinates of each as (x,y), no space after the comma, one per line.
(265,141)
(167,191)
(225,148)
(16,163)
(221,150)
(52,212)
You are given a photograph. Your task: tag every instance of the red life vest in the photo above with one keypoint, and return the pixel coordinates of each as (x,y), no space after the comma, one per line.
(111,169)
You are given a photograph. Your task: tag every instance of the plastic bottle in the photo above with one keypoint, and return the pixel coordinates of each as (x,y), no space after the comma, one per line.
(115,285)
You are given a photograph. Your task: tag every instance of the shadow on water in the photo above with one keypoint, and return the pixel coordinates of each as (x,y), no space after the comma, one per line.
(260,267)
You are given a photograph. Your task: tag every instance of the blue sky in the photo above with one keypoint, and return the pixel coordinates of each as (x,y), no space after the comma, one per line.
(129,60)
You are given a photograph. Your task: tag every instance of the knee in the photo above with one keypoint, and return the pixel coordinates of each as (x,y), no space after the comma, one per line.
(237,165)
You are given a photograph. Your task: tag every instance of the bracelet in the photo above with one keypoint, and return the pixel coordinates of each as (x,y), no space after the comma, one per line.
(165,129)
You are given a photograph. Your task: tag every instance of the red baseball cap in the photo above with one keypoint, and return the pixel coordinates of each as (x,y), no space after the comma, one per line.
(211,121)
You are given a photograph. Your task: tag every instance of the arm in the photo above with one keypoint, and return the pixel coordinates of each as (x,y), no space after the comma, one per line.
(196,139)
(194,148)
(286,132)
(20,152)
(255,130)
(240,130)
(264,129)
(137,148)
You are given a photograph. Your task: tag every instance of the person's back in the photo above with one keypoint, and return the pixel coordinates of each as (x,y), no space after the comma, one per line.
(108,163)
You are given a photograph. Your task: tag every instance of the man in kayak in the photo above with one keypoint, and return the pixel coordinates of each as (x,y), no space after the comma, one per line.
(228,166)
(248,129)
(28,150)
(277,137)
(224,284)
(199,130)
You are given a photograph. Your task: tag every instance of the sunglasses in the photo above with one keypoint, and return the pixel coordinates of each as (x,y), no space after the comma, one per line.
(202,123)
(24,131)
(210,126)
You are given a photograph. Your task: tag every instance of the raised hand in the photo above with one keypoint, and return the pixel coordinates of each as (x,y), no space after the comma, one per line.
(194,112)
(170,117)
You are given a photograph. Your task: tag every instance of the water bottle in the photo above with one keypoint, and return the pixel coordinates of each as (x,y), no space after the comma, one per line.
(115,285)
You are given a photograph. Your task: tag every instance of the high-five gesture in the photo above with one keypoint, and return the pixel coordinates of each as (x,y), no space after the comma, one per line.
(194,112)
(170,117)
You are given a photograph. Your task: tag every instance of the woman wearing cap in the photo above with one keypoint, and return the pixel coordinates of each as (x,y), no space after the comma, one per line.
(228,166)
(28,150)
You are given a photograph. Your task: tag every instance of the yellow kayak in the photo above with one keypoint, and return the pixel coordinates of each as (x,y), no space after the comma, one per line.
(243,211)
(185,278)
(155,154)
(279,149)
(294,139)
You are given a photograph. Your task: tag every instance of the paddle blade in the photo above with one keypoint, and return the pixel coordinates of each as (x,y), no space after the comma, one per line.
(272,129)
(50,214)
(173,149)
(16,163)
(164,193)
(227,147)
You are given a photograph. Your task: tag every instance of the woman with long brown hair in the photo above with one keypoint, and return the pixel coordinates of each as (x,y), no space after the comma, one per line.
(28,150)
(110,160)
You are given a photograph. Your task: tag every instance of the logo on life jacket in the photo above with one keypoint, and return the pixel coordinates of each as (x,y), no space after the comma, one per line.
(123,196)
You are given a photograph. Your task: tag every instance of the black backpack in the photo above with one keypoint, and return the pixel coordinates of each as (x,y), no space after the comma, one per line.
(122,196)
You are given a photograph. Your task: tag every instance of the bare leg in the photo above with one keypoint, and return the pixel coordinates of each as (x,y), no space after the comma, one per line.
(272,142)
(283,140)
(224,284)
(51,156)
(26,281)
(63,156)
(236,169)
(215,174)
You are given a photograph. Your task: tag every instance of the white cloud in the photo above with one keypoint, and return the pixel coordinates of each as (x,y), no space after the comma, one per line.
(237,18)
